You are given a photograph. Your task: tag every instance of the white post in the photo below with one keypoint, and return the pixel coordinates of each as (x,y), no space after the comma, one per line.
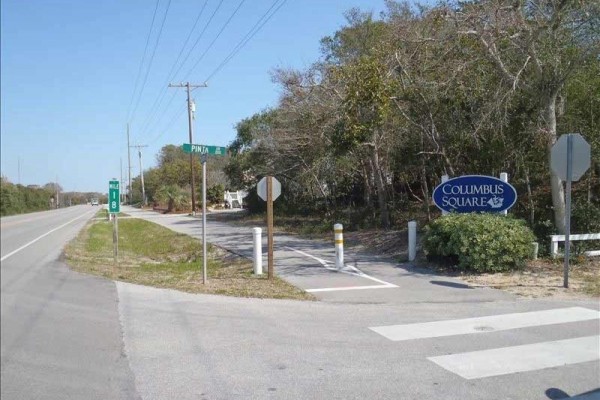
(338,234)
(553,246)
(257,233)
(504,178)
(536,248)
(412,240)
(445,179)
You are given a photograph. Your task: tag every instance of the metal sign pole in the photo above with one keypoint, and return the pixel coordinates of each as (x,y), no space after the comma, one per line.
(270,224)
(115,239)
(568,209)
(203,158)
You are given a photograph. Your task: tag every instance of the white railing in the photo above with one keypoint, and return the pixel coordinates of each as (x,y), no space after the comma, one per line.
(234,199)
(561,238)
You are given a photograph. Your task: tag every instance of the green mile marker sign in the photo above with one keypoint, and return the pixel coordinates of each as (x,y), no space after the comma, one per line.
(202,149)
(114,204)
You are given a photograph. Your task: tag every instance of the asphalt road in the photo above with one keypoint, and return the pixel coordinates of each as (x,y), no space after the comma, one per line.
(426,338)
(70,336)
(60,330)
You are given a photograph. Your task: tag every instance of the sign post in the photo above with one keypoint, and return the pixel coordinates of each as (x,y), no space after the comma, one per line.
(114,206)
(203,159)
(269,189)
(204,151)
(570,158)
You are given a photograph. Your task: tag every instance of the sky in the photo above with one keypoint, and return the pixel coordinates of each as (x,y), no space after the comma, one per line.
(75,73)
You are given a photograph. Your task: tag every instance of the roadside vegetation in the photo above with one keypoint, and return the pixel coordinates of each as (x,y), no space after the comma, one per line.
(156,256)
(19,199)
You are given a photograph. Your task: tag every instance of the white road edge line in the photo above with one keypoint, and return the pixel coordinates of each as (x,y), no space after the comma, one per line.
(12,253)
(348,269)
(513,359)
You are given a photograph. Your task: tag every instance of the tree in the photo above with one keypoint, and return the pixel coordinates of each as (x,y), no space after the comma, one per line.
(535,46)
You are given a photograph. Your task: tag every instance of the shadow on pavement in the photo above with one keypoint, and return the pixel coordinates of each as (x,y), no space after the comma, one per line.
(455,285)
(555,394)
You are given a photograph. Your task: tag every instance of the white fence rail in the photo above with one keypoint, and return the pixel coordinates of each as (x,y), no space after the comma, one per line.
(555,239)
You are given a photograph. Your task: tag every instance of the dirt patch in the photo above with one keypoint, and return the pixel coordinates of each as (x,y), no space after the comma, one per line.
(544,278)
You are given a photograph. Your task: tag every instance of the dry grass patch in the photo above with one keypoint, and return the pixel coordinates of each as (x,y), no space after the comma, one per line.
(152,255)
(544,278)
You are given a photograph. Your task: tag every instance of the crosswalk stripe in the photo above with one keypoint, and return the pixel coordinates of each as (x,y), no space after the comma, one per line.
(531,357)
(486,324)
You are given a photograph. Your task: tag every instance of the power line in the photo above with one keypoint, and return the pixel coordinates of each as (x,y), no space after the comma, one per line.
(151,60)
(215,39)
(206,25)
(159,99)
(169,124)
(251,33)
(142,61)
(198,39)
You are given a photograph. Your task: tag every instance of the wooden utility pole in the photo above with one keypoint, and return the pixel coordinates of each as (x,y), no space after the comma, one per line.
(128,165)
(189,87)
(139,147)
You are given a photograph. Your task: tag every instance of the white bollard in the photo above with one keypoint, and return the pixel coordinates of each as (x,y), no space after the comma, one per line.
(445,179)
(257,233)
(412,240)
(504,178)
(536,248)
(338,235)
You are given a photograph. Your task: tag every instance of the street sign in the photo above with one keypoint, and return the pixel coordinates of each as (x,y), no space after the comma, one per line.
(261,188)
(474,193)
(580,156)
(202,149)
(113,197)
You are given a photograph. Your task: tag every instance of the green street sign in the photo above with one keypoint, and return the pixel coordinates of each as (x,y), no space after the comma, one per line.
(113,197)
(202,149)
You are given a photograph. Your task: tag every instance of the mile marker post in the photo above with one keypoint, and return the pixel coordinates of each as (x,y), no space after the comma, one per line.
(270,224)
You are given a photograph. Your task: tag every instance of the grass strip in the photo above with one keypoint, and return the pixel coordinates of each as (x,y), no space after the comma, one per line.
(152,255)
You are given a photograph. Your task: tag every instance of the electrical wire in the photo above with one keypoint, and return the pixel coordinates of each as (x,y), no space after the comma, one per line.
(198,39)
(216,37)
(151,60)
(159,99)
(168,125)
(251,33)
(206,25)
(142,61)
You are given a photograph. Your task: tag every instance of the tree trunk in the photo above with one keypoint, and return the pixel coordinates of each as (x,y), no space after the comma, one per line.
(381,192)
(558,190)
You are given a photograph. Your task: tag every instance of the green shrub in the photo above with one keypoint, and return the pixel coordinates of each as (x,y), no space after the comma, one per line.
(479,242)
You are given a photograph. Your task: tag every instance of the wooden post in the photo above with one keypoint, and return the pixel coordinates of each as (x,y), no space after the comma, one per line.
(270,224)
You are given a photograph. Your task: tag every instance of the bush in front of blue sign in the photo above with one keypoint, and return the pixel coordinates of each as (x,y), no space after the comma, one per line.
(479,242)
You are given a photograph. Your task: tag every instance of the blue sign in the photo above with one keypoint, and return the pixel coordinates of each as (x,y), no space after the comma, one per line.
(474,193)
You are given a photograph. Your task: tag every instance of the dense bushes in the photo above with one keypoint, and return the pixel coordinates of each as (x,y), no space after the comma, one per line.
(17,199)
(479,242)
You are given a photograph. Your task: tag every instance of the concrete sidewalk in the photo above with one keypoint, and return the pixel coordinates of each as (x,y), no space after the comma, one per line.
(310,265)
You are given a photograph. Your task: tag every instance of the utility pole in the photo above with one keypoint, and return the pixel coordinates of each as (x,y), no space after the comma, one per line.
(139,147)
(189,86)
(56,191)
(129,163)
(19,169)
(121,181)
